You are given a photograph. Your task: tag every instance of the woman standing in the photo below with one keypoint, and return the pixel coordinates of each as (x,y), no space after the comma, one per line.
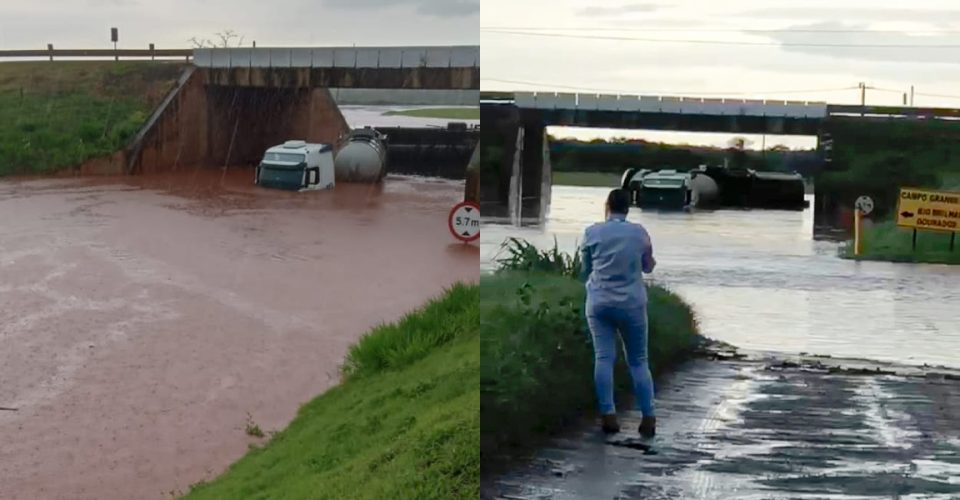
(616,253)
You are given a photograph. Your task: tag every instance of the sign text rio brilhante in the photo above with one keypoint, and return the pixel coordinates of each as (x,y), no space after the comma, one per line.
(931,210)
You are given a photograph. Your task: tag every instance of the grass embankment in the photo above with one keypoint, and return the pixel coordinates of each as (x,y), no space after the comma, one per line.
(463,113)
(590,179)
(887,242)
(537,371)
(55,115)
(403,424)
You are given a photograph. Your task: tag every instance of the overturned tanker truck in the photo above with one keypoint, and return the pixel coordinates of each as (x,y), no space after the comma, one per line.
(714,187)
(300,166)
(362,156)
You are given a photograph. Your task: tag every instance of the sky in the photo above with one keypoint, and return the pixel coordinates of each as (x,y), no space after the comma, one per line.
(171,23)
(729,48)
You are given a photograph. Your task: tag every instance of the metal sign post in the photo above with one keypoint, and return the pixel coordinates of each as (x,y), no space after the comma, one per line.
(863,206)
(115,37)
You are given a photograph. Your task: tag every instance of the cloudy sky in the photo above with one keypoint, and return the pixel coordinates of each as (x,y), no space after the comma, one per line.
(819,49)
(170,23)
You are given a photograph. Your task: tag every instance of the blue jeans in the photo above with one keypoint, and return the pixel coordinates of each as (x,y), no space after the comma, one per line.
(631,322)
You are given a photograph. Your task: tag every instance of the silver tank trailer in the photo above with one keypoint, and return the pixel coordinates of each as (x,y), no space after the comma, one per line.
(362,157)
(704,188)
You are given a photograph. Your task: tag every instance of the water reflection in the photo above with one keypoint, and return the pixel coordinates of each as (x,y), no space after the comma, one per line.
(375,116)
(757,279)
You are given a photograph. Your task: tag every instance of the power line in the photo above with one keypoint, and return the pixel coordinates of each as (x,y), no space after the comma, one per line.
(711,30)
(727,42)
(881,89)
(651,92)
(944,96)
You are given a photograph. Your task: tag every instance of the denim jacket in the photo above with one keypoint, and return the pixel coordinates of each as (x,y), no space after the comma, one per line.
(615,254)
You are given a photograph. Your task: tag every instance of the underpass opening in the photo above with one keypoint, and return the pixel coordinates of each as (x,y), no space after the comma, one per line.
(202,124)
(244,121)
(677,170)
(753,170)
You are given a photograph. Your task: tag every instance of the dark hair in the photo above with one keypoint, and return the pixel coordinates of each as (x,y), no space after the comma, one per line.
(619,201)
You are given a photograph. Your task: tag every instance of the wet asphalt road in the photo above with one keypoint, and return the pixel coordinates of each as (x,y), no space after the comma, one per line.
(762,428)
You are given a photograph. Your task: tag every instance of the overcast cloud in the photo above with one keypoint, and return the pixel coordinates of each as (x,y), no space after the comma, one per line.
(617,10)
(707,47)
(170,23)
(716,49)
(440,8)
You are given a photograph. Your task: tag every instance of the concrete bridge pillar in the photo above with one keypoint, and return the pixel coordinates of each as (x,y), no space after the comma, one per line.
(472,190)
(515,195)
(515,163)
(534,173)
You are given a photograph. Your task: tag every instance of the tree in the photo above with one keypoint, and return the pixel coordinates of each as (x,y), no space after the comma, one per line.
(737,152)
(740,143)
(224,39)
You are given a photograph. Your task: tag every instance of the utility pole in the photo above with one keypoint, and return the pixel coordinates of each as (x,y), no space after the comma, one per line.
(911,95)
(863,97)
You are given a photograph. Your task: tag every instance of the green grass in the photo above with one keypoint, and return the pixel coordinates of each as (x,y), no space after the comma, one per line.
(887,242)
(593,179)
(537,359)
(55,115)
(877,158)
(404,423)
(450,113)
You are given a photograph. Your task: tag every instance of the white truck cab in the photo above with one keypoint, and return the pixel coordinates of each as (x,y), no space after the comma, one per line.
(297,166)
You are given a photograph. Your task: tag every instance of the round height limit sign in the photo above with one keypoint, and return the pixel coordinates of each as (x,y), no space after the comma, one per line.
(464,221)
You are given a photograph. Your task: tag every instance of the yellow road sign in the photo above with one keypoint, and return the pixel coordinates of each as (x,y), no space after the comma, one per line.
(925,209)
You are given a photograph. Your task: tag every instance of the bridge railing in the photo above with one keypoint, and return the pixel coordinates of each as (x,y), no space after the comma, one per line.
(844,110)
(669,104)
(339,57)
(282,57)
(52,53)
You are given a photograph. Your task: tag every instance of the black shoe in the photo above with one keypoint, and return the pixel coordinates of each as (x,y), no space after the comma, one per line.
(648,427)
(609,424)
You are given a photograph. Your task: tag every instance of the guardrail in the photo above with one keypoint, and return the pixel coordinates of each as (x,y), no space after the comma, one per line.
(613,102)
(893,111)
(340,57)
(115,54)
(670,104)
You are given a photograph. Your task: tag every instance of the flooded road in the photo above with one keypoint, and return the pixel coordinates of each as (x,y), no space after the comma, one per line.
(373,116)
(144,320)
(756,279)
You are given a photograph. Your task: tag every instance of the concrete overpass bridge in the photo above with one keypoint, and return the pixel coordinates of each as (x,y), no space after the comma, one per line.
(671,113)
(231,104)
(517,121)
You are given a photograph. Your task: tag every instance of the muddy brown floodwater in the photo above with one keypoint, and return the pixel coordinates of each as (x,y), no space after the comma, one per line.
(143,320)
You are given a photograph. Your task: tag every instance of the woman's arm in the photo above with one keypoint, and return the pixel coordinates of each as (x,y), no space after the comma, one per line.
(647,259)
(586,263)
